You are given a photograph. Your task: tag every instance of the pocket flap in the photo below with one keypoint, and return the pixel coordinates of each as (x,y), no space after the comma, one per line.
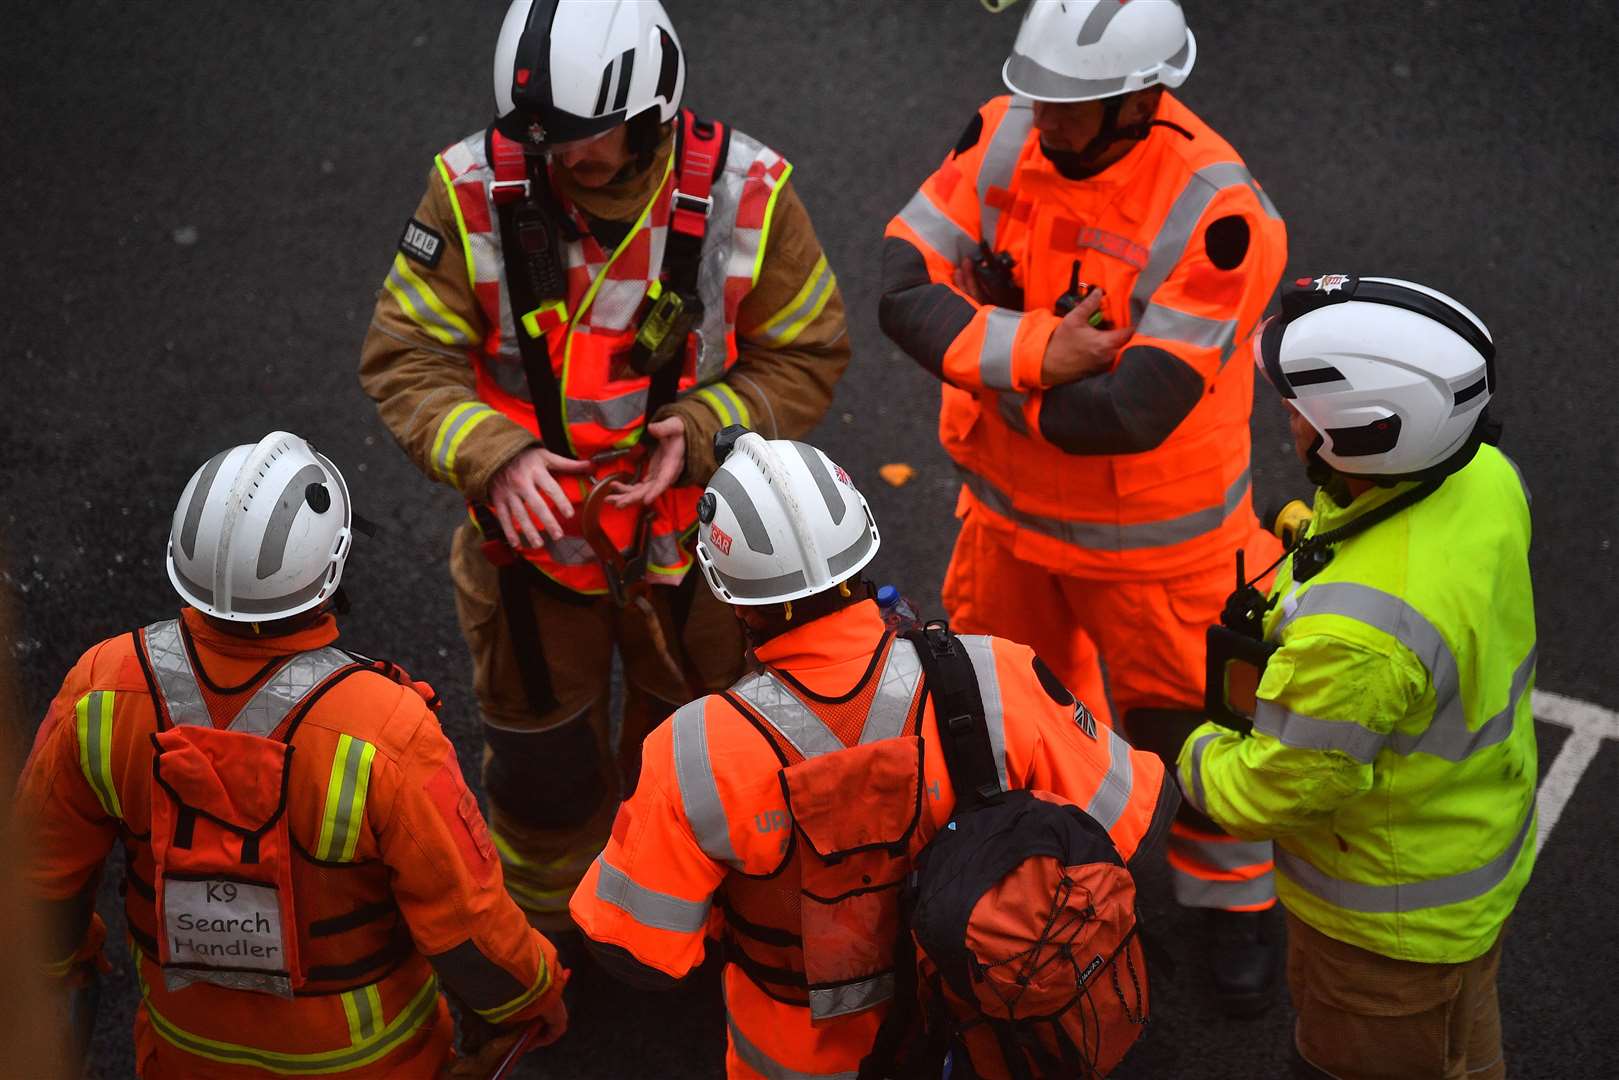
(234,778)
(857,799)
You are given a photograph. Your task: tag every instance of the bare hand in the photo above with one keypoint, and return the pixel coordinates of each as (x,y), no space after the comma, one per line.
(524,490)
(668,461)
(1077,349)
(967,281)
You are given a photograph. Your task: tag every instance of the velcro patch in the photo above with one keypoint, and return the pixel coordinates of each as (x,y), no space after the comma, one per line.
(419,242)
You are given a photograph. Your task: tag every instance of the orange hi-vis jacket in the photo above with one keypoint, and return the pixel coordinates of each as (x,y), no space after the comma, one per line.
(395,880)
(603,400)
(710,828)
(1141,230)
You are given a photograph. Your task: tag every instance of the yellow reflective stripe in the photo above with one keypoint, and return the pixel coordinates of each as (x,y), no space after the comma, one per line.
(590,295)
(452,432)
(737,403)
(345,800)
(363,1008)
(770,213)
(793,308)
(719,405)
(416,1014)
(460,222)
(94,712)
(531,321)
(542,983)
(417,300)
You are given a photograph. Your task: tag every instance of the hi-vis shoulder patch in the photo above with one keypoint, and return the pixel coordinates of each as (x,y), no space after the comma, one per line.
(421,243)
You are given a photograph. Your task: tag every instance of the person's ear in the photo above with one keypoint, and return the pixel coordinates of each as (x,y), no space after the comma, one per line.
(1140,106)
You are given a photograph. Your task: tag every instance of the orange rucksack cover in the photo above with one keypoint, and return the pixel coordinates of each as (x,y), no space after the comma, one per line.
(225,912)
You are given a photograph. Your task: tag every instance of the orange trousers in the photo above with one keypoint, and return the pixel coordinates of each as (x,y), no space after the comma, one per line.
(1149,636)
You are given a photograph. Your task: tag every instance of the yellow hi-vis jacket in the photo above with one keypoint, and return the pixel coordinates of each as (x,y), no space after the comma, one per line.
(1393,752)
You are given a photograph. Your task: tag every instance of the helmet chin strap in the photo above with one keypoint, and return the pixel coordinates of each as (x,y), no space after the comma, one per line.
(1082,164)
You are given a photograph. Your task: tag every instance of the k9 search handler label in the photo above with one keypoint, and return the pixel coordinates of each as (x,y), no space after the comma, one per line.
(217,923)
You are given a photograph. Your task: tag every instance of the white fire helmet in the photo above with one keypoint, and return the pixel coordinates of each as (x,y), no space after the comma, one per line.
(566,70)
(780,521)
(1393,375)
(1082,50)
(261,531)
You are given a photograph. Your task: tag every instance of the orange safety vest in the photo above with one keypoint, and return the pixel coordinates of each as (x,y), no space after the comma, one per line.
(360,992)
(1185,503)
(809,896)
(603,400)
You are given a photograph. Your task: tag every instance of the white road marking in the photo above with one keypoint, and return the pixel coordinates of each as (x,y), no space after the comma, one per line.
(1588,725)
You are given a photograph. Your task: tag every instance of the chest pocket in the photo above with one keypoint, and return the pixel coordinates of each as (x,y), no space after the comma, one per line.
(853,866)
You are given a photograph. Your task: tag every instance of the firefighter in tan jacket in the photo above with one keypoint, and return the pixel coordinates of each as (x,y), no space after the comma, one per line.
(666,282)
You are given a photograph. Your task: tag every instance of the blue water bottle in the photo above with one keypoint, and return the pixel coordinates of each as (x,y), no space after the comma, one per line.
(898,614)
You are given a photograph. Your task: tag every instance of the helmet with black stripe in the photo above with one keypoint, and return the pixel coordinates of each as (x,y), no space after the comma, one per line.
(567,70)
(779,522)
(1393,376)
(261,532)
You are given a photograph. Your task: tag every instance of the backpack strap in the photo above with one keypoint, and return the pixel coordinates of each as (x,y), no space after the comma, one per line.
(958,708)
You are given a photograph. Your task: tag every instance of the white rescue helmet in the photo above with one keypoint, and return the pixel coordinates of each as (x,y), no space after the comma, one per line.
(1393,375)
(567,70)
(1082,50)
(261,531)
(780,521)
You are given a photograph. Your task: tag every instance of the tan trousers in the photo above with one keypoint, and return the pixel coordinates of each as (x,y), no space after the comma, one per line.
(1363,1016)
(554,781)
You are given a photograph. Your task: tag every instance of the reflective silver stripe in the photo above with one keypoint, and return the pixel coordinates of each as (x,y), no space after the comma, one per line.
(665,551)
(840,562)
(1169,324)
(1032,77)
(1096,23)
(273,545)
(995,356)
(176,682)
(767,1066)
(936,228)
(1010,406)
(1194,789)
(199,500)
(756,587)
(1226,855)
(891,705)
(1409,896)
(1528,497)
(424,311)
(836,505)
(1180,223)
(1000,160)
(650,908)
(569,551)
(1113,793)
(791,718)
(1202,893)
(1456,743)
(754,533)
(1309,733)
(1447,733)
(981,651)
(616,412)
(827,1002)
(277,698)
(1108,536)
(825,281)
(699,791)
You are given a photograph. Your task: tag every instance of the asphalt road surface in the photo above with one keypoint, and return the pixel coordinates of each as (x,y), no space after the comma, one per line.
(204,198)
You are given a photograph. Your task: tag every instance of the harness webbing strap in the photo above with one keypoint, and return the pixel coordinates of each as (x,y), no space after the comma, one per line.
(958,709)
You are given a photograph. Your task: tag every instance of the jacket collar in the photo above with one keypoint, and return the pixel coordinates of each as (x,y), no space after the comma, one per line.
(1330,515)
(849,634)
(217,642)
